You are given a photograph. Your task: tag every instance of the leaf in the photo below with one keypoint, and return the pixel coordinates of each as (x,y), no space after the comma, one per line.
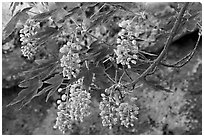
(26,9)
(101,81)
(10,27)
(41,61)
(45,34)
(41,71)
(103,53)
(47,31)
(139,67)
(14,5)
(30,96)
(102,19)
(98,70)
(44,15)
(44,90)
(122,7)
(88,76)
(24,17)
(194,7)
(73,10)
(12,24)
(26,94)
(95,46)
(9,37)
(65,18)
(55,84)
(52,47)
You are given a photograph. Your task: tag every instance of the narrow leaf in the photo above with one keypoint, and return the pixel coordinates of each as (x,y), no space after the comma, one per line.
(14,4)
(48,31)
(41,72)
(87,79)
(44,15)
(32,86)
(10,27)
(31,95)
(12,24)
(55,84)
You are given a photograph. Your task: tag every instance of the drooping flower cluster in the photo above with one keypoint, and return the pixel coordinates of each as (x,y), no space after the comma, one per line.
(128,114)
(29,48)
(73,106)
(70,60)
(134,35)
(108,111)
(115,107)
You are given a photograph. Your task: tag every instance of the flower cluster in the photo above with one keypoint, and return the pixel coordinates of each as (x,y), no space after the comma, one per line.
(108,111)
(73,106)
(70,60)
(128,114)
(134,35)
(116,108)
(29,47)
(126,52)
(141,29)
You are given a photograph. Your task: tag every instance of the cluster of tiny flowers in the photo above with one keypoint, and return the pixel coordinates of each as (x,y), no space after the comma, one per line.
(82,38)
(79,101)
(133,35)
(73,107)
(144,31)
(29,48)
(127,47)
(70,60)
(114,109)
(126,52)
(108,111)
(127,113)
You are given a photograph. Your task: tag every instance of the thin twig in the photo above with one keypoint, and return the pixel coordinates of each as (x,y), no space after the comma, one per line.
(152,72)
(75,22)
(121,77)
(110,78)
(97,38)
(98,10)
(188,57)
(163,53)
(116,75)
(127,74)
(33,12)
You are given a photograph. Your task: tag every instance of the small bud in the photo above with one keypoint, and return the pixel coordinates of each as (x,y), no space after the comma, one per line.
(59,101)
(59,90)
(133,62)
(64,97)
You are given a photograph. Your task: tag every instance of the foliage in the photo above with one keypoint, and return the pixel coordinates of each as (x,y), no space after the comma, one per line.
(94,46)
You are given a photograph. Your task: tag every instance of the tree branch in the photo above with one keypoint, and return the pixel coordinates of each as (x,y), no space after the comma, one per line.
(163,53)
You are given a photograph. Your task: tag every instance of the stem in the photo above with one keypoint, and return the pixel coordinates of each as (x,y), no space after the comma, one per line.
(33,12)
(110,78)
(97,38)
(163,53)
(116,75)
(98,10)
(188,57)
(121,77)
